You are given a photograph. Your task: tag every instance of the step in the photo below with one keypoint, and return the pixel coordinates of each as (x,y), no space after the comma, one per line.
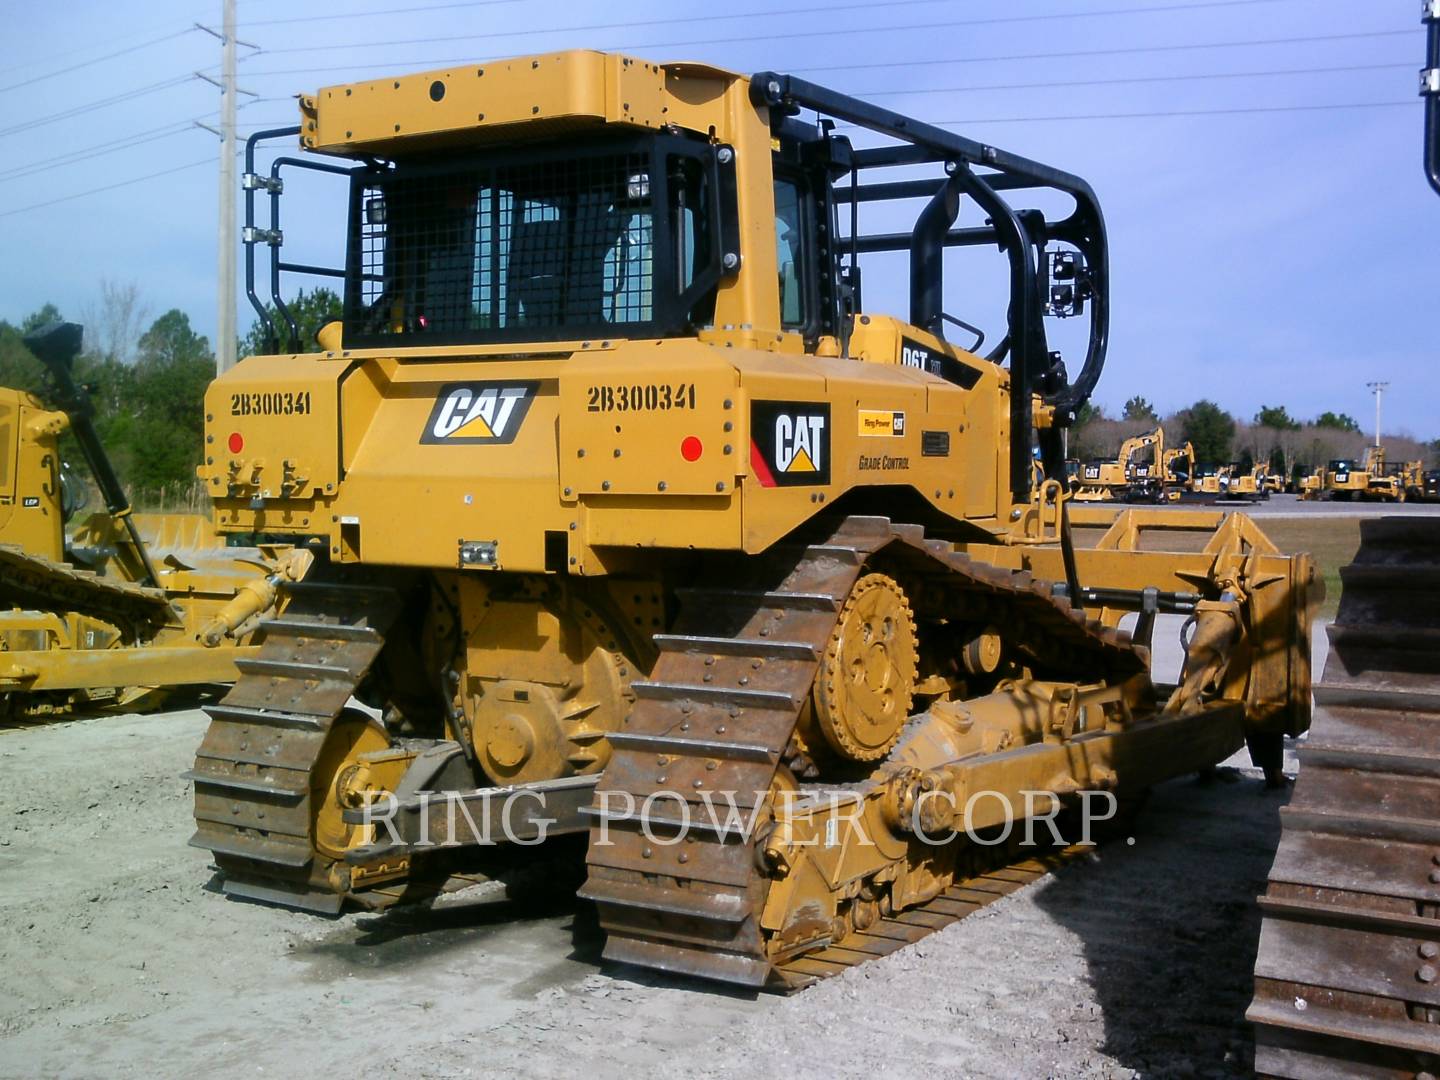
(292,669)
(1370,696)
(1407,576)
(243,784)
(733,968)
(285,895)
(716,695)
(236,845)
(755,598)
(314,628)
(728,908)
(1365,826)
(761,647)
(244,714)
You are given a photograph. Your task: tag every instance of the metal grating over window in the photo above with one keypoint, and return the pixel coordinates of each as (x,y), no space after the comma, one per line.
(540,246)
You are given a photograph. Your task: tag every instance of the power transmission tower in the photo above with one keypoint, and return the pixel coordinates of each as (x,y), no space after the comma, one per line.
(225,332)
(225,323)
(1378,389)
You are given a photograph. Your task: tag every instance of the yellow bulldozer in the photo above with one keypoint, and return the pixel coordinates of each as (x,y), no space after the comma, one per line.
(639,518)
(120,609)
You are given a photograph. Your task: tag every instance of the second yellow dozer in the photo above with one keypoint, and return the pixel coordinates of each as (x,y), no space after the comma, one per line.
(119,610)
(634,511)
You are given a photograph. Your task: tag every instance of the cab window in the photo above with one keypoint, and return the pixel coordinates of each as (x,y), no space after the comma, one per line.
(791,256)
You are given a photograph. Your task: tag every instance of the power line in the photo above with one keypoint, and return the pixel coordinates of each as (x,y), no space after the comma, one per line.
(208,160)
(1175,112)
(810,32)
(99,150)
(1122,51)
(92,106)
(910,63)
(625,25)
(79,50)
(1050,83)
(98,60)
(393,11)
(971,120)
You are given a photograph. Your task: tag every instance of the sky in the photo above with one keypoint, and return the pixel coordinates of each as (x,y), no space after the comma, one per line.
(1258,161)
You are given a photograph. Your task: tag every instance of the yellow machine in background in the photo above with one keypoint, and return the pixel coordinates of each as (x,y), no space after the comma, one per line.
(1212,482)
(124,607)
(1344,479)
(1373,479)
(1251,484)
(1398,483)
(1126,478)
(629,499)
(1177,466)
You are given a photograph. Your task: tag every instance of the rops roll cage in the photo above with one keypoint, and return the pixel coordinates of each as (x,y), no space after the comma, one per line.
(1041,281)
(1022,234)
(273,237)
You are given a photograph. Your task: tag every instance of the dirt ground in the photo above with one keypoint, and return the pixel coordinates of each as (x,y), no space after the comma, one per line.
(120,957)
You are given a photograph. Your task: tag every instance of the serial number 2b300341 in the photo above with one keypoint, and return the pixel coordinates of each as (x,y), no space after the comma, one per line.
(641,397)
(286,403)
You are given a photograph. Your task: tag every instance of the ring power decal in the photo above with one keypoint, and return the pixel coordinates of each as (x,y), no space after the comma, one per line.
(478,412)
(790,442)
(883,423)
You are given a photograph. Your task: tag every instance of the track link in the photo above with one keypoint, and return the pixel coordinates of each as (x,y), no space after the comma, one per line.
(33,581)
(253,775)
(1347,980)
(893,932)
(718,713)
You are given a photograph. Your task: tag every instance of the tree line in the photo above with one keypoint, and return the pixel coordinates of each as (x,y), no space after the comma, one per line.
(1290,446)
(148,380)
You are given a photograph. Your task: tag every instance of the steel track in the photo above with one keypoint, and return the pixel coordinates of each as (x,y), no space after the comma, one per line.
(1347,980)
(33,581)
(718,713)
(253,775)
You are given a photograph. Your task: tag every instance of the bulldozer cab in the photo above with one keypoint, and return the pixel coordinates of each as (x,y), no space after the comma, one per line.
(610,236)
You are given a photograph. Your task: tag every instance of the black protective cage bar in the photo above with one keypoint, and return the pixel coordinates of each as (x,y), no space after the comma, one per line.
(717,251)
(273,237)
(1022,234)
(1430,91)
(562,251)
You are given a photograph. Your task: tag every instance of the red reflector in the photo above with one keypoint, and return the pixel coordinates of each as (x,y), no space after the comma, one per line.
(236,442)
(691,449)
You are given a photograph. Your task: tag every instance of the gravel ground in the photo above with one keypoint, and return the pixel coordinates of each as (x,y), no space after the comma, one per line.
(122,959)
